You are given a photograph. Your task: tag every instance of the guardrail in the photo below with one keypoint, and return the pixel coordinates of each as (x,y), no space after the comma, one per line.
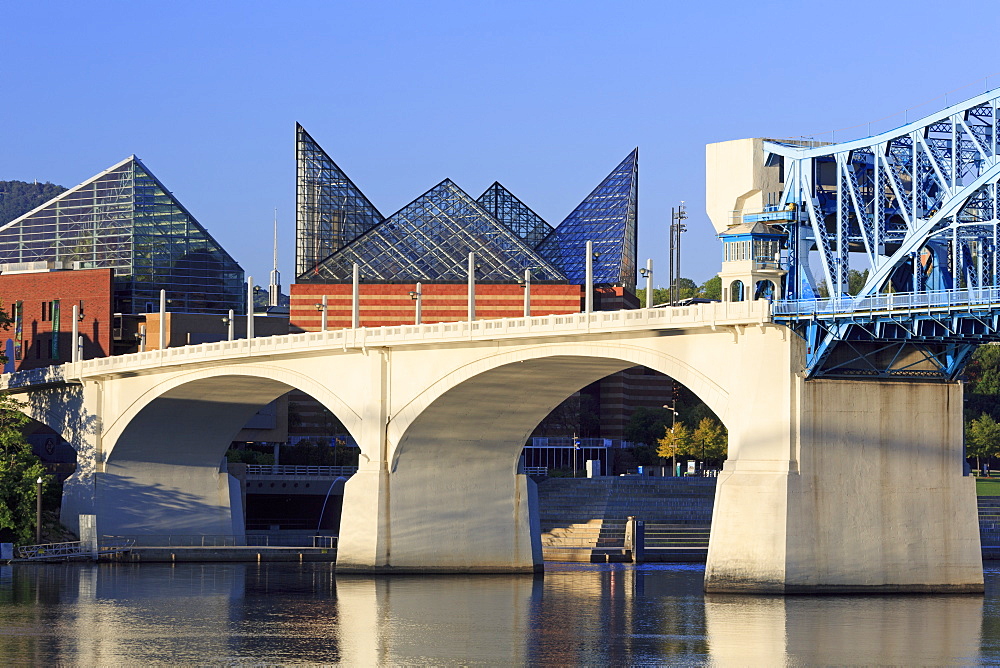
(897,301)
(712,314)
(225,540)
(70,549)
(327,471)
(536,470)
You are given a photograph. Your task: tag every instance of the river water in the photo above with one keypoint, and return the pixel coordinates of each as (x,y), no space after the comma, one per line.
(233,614)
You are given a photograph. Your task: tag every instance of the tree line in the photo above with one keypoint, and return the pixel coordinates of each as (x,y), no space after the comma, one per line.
(19,197)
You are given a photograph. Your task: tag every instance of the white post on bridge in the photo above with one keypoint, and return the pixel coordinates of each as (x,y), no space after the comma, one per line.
(418,303)
(324,308)
(588,299)
(527,293)
(648,273)
(75,353)
(231,331)
(163,319)
(355,297)
(472,287)
(249,308)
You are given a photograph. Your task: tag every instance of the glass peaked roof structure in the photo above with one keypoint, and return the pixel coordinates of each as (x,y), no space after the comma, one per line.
(126,220)
(515,214)
(608,217)
(430,238)
(330,211)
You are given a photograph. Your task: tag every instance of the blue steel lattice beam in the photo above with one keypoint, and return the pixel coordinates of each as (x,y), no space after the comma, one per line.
(916,206)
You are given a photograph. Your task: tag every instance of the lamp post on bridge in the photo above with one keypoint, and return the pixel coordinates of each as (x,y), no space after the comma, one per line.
(647,273)
(417,295)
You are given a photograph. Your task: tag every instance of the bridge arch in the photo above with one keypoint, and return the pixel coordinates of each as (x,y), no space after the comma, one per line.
(500,399)
(212,401)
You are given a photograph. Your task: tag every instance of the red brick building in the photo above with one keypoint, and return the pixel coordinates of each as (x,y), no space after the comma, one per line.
(388,304)
(40,304)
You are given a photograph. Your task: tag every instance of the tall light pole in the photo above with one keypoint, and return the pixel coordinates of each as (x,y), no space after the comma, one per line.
(647,273)
(677,217)
(38,510)
(417,295)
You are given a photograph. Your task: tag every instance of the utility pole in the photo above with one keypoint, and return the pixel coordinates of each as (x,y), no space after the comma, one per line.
(677,217)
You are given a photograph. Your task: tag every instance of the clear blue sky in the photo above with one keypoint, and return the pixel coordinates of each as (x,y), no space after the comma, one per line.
(546,97)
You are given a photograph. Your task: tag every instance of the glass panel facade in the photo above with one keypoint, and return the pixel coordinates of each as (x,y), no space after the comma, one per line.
(513,213)
(330,210)
(608,218)
(126,220)
(430,240)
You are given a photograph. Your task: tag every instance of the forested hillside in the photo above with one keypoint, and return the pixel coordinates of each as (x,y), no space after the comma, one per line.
(20,197)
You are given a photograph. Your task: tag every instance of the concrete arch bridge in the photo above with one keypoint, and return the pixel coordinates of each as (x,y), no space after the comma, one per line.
(831,484)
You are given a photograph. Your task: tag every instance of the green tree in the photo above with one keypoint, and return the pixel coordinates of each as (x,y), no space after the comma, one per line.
(677,441)
(711,289)
(646,424)
(982,438)
(711,440)
(19,469)
(856,280)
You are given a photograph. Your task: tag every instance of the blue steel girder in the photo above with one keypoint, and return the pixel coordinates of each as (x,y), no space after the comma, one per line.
(915,206)
(845,349)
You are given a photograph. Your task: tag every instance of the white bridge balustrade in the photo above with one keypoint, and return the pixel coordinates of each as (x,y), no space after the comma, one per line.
(824,476)
(268,470)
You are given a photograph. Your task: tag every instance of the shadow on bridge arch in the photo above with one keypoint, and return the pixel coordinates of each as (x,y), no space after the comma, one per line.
(164,454)
(496,402)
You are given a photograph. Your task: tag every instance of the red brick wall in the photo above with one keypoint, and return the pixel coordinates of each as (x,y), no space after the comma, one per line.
(386,304)
(90,287)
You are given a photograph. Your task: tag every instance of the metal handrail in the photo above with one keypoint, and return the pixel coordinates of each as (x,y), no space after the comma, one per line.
(902,301)
(266,469)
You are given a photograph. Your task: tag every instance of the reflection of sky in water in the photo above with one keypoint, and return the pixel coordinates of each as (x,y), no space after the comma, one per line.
(576,614)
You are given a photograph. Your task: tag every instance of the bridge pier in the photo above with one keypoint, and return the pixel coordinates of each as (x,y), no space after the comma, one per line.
(871,496)
(476,519)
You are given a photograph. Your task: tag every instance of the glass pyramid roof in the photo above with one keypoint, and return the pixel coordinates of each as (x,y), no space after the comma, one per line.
(608,218)
(126,220)
(516,215)
(430,240)
(330,210)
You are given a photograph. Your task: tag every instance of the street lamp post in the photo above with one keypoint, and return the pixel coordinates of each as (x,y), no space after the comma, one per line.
(673,424)
(647,273)
(417,295)
(38,510)
(323,308)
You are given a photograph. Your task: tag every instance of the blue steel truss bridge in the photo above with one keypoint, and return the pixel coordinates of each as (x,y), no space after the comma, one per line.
(888,255)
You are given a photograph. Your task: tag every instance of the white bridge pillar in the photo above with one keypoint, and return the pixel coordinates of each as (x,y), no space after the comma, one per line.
(444,499)
(843,486)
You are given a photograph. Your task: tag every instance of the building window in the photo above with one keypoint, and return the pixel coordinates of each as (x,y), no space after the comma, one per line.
(764,290)
(736,291)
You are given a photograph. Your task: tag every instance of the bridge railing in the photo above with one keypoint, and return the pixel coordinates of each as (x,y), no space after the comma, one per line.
(225,540)
(902,301)
(328,471)
(711,314)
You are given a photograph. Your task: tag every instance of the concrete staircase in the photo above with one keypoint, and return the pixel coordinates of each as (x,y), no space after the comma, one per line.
(584,519)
